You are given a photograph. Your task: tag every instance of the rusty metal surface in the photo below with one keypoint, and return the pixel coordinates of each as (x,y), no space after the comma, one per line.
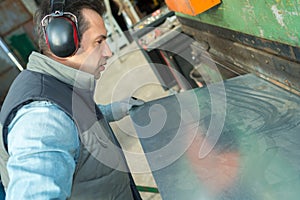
(288,51)
(282,72)
(12,15)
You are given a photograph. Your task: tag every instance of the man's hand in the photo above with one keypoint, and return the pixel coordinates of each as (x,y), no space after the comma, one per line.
(120,109)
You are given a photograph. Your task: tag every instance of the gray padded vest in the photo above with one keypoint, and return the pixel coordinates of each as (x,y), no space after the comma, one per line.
(92,179)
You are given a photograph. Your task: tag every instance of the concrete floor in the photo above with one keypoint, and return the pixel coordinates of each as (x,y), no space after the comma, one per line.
(129,74)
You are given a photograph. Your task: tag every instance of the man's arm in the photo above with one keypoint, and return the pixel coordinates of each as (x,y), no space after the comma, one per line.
(43,145)
(119,109)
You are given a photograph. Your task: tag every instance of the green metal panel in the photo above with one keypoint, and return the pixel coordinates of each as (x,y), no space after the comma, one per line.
(276,20)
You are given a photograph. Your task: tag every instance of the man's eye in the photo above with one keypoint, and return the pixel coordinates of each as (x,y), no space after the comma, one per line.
(99,41)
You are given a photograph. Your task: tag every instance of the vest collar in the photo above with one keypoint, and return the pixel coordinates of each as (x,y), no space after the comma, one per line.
(45,65)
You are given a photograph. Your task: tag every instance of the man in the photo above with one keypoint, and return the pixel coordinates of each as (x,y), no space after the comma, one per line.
(55,142)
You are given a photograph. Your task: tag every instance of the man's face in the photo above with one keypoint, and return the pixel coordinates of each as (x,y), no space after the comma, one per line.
(94,51)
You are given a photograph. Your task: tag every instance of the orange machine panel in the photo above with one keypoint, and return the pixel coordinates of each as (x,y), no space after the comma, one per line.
(191,7)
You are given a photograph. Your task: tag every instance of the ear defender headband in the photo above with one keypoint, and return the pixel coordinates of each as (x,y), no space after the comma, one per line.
(61,30)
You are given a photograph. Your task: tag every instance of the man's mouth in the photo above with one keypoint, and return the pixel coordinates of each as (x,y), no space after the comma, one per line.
(101,68)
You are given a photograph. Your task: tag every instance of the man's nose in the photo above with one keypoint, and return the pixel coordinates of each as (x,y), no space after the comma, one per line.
(106,50)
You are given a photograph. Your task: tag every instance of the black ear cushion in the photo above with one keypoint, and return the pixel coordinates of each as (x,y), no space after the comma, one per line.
(62,37)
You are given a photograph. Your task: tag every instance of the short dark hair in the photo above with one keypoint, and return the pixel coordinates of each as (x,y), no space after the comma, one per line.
(72,6)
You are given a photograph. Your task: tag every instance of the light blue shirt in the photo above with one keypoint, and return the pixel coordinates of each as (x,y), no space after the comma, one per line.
(37,137)
(43,141)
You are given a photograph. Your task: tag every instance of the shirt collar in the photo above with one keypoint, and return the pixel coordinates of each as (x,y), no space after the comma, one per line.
(45,65)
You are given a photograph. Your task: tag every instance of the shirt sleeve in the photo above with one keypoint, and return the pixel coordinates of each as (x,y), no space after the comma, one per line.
(43,145)
(114,111)
(107,112)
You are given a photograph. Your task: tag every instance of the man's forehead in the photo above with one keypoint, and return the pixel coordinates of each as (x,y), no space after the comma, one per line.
(96,25)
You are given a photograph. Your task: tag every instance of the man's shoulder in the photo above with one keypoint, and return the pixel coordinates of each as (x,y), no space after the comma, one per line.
(43,111)
(43,104)
(35,87)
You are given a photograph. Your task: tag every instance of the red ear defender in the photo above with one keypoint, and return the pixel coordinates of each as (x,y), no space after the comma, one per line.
(61,31)
(62,36)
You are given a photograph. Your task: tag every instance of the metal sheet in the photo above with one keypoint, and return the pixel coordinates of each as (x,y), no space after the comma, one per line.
(256,156)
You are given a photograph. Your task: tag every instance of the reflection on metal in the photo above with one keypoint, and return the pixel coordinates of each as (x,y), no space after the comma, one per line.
(10,55)
(257,155)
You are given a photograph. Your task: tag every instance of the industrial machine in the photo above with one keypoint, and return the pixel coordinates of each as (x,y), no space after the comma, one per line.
(236,134)
(233,129)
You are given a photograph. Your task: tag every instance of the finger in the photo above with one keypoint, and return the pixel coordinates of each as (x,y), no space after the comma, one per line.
(136,102)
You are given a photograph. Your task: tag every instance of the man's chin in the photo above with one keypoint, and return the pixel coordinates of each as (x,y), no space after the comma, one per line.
(97,76)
